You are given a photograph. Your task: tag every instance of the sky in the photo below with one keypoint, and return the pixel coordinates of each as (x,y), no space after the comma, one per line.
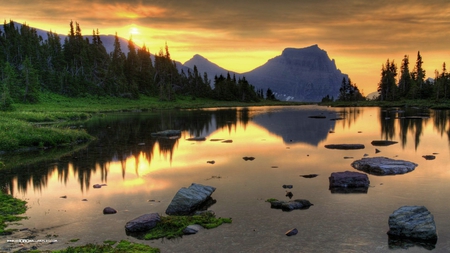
(240,35)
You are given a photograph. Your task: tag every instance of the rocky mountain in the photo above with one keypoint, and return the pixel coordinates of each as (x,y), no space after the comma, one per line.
(304,74)
(204,65)
(298,74)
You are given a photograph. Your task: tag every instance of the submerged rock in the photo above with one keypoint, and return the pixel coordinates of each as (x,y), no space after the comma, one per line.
(292,232)
(383,143)
(192,229)
(413,222)
(188,200)
(167,134)
(345,146)
(309,175)
(109,210)
(142,223)
(383,166)
(290,205)
(429,157)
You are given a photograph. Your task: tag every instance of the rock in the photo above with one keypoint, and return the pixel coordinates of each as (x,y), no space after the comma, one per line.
(227,141)
(192,229)
(429,157)
(348,157)
(196,139)
(216,140)
(64,197)
(349,179)
(383,166)
(291,232)
(317,117)
(377,151)
(414,222)
(170,134)
(290,205)
(248,158)
(96,186)
(383,143)
(142,223)
(289,195)
(288,186)
(188,200)
(309,175)
(211,162)
(109,210)
(345,146)
(84,200)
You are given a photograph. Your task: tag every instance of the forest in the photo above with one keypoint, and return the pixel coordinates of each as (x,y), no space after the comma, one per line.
(412,84)
(78,67)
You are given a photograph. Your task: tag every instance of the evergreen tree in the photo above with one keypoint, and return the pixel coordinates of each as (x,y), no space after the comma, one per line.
(31,83)
(9,81)
(270,95)
(418,76)
(387,86)
(405,82)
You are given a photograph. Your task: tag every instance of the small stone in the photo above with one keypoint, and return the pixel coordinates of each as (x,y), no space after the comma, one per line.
(97,186)
(429,157)
(288,186)
(289,195)
(109,210)
(211,162)
(292,232)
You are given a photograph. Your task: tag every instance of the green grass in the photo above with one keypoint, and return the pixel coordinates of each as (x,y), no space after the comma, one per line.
(10,209)
(17,134)
(122,247)
(172,226)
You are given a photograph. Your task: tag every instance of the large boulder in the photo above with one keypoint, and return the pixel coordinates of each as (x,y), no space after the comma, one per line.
(187,200)
(383,166)
(142,223)
(341,182)
(412,222)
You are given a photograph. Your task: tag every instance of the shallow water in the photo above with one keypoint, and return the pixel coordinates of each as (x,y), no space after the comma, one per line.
(143,174)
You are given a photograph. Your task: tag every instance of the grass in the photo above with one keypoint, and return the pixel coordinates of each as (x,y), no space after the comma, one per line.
(10,209)
(108,247)
(432,104)
(172,226)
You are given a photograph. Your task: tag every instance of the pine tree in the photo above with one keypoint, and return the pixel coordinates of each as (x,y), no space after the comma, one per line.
(31,83)
(405,82)
(9,81)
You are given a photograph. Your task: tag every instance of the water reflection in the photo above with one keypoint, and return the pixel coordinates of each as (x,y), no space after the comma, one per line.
(411,121)
(125,140)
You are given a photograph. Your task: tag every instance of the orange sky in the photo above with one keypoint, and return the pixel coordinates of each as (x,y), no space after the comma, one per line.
(242,35)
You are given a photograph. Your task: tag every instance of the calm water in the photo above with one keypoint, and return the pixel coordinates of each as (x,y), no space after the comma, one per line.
(143,174)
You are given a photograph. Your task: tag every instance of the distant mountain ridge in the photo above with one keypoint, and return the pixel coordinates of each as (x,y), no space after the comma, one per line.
(298,74)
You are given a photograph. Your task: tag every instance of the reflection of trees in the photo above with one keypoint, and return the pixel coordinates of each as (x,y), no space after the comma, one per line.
(410,120)
(119,136)
(348,115)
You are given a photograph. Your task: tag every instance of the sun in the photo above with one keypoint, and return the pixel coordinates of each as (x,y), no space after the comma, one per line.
(134,31)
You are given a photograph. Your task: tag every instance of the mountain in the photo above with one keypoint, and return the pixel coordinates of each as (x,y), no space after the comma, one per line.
(299,74)
(204,65)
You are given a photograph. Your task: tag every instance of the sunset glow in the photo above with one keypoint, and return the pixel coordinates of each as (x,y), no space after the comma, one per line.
(244,35)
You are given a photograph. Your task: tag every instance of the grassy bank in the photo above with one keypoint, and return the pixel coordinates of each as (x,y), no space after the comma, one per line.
(44,125)
(401,103)
(10,209)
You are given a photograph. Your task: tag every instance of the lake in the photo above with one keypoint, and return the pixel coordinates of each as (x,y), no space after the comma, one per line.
(143,173)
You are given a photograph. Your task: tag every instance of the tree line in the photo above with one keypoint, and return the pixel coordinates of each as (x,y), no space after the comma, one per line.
(30,65)
(412,84)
